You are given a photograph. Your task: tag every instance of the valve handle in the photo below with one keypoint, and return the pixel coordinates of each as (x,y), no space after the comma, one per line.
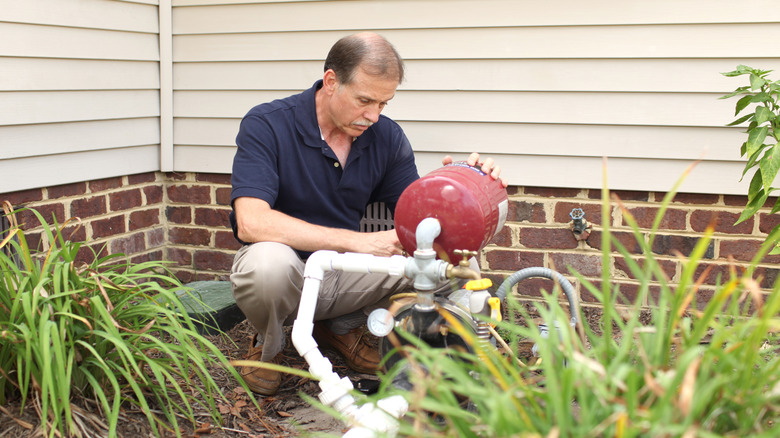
(495,310)
(466,254)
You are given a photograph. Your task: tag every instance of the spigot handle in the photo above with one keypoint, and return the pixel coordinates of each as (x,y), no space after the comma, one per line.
(466,254)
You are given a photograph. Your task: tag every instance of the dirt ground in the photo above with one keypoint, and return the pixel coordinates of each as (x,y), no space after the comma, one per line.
(285,414)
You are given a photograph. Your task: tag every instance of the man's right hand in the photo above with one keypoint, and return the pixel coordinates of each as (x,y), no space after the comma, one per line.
(380,243)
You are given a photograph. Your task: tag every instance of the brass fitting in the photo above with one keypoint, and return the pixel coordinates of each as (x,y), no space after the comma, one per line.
(463,270)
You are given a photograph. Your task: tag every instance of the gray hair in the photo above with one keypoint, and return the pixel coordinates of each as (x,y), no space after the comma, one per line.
(368,50)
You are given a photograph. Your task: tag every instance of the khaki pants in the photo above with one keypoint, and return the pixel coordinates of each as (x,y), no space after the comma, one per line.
(267,278)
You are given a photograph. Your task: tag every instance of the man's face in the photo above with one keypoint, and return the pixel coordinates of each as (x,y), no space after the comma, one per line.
(354,107)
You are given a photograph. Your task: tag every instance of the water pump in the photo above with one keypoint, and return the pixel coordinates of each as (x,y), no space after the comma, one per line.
(443,219)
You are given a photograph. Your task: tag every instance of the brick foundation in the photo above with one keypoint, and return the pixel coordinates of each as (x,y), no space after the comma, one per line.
(183,218)
(538,233)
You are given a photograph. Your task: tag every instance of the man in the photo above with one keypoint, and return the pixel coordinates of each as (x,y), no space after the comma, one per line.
(305,170)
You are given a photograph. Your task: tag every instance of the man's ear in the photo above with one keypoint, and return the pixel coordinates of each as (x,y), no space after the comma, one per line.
(329,81)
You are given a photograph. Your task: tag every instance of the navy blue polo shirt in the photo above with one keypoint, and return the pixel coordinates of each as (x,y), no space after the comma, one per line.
(283,160)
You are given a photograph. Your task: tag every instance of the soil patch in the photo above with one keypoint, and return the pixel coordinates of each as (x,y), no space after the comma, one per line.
(284,414)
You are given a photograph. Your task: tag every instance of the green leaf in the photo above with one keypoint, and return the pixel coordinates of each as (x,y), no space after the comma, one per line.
(752,160)
(761,97)
(769,166)
(762,114)
(776,207)
(774,87)
(756,81)
(756,139)
(738,91)
(756,187)
(756,199)
(742,103)
(741,70)
(740,120)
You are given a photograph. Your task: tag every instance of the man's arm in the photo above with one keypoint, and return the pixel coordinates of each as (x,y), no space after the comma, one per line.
(258,222)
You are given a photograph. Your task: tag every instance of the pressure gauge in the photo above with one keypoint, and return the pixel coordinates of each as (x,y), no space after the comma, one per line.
(380,322)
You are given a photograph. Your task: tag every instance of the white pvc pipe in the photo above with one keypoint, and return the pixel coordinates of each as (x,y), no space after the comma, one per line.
(426,272)
(427,231)
(316,266)
(425,261)
(336,391)
(371,419)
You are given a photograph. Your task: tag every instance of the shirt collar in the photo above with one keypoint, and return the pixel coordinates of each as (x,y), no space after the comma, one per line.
(306,117)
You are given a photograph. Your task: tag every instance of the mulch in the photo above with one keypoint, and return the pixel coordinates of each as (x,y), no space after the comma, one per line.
(284,414)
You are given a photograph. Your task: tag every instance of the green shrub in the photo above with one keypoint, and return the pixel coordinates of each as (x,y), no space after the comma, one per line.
(109,331)
(696,370)
(761,148)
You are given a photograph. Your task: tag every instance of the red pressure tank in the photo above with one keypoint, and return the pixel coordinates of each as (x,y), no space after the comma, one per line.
(470,205)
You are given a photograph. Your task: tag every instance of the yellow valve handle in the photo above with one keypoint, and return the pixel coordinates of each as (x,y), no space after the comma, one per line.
(481,284)
(495,309)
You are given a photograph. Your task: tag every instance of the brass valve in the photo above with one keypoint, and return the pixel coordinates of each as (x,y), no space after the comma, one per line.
(466,254)
(463,270)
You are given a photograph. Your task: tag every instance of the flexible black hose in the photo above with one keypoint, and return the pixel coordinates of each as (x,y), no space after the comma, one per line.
(522,274)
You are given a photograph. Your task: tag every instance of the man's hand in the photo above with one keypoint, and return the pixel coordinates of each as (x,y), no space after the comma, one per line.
(380,243)
(488,166)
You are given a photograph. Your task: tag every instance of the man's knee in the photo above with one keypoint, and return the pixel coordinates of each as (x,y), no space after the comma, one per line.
(266,270)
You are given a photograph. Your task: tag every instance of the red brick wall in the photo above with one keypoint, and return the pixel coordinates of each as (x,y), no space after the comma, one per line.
(538,233)
(117,215)
(183,218)
(200,241)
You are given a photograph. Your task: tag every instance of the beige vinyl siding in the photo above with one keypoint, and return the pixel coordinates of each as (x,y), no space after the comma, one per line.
(496,43)
(33,140)
(79,91)
(547,89)
(90,14)
(48,170)
(243,15)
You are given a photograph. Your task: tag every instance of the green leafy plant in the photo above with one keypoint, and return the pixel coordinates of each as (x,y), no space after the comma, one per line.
(761,149)
(697,369)
(102,337)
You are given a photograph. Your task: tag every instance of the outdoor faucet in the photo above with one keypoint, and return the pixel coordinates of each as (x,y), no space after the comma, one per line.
(463,270)
(579,226)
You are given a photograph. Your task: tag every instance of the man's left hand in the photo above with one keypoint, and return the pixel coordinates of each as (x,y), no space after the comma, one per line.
(488,166)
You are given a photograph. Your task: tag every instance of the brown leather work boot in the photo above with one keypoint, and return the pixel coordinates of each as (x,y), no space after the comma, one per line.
(359,354)
(260,380)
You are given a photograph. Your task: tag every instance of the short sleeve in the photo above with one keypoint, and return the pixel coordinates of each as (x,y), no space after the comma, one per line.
(255,165)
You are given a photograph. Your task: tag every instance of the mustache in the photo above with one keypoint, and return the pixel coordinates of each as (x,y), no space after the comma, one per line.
(366,123)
